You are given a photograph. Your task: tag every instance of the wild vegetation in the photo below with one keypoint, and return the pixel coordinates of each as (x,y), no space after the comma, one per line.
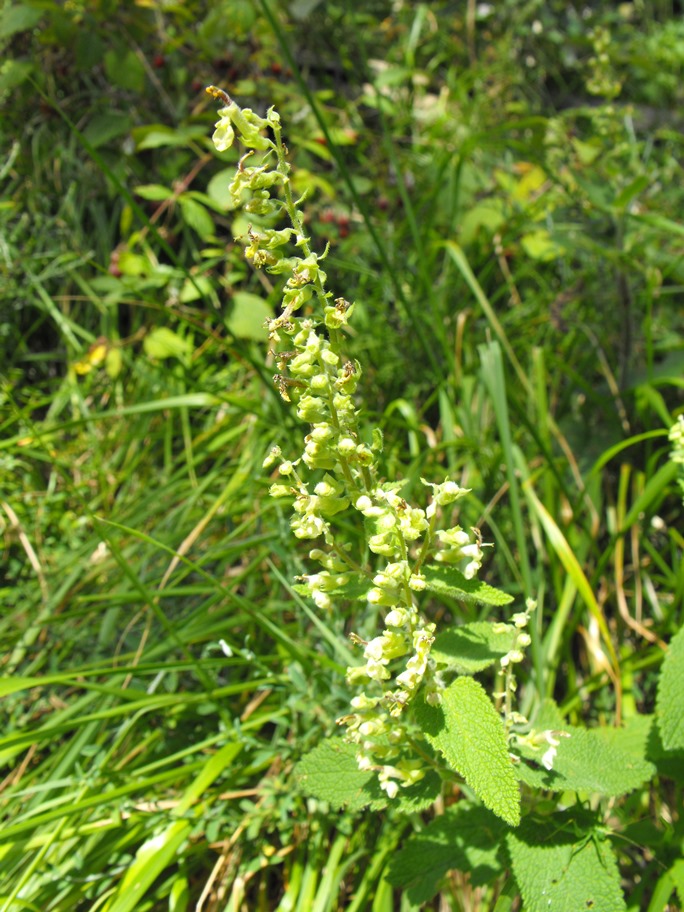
(487,200)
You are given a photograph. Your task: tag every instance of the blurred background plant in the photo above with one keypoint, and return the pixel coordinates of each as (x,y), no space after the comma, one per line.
(501,188)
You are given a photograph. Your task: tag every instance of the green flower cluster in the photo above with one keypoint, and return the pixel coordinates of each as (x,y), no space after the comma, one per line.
(338,471)
(676,437)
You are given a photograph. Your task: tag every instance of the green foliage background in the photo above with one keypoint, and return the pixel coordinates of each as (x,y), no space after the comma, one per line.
(502,191)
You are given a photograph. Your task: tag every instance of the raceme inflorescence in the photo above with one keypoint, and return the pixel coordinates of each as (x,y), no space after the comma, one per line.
(338,471)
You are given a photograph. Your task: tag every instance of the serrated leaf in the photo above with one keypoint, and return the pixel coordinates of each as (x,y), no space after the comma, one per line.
(472,647)
(330,773)
(450,582)
(586,761)
(668,763)
(671,695)
(468,731)
(565,864)
(467,837)
(632,737)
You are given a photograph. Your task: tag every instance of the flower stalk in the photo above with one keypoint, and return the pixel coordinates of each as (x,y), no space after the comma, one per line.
(338,471)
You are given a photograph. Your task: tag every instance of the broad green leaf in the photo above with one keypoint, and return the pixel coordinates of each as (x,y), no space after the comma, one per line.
(330,773)
(470,734)
(308,181)
(218,189)
(451,583)
(196,216)
(467,837)
(163,343)
(632,737)
(670,702)
(248,317)
(565,864)
(133,264)
(18,17)
(152,136)
(472,647)
(194,288)
(586,760)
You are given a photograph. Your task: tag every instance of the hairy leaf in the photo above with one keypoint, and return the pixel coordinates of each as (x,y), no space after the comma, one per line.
(469,733)
(587,760)
(450,582)
(467,837)
(473,647)
(330,773)
(671,695)
(565,864)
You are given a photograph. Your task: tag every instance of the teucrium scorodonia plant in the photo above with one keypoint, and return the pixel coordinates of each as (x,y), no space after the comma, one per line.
(338,473)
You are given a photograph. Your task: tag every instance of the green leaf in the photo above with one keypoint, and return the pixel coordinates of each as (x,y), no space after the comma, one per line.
(125,69)
(587,760)
(633,188)
(218,189)
(196,216)
(248,317)
(539,245)
(467,837)
(12,685)
(565,864)
(472,647)
(470,734)
(488,215)
(330,773)
(153,192)
(451,583)
(671,695)
(151,858)
(152,136)
(103,128)
(163,343)
(18,18)
(13,73)
(194,288)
